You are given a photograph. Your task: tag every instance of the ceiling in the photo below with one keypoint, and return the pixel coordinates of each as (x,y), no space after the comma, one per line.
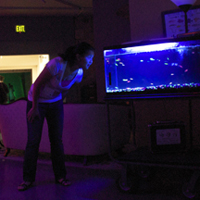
(45,7)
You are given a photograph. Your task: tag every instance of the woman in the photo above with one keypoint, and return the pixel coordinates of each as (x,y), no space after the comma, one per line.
(45,101)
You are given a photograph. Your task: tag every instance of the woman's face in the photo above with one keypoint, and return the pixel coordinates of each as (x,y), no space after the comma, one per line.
(86,60)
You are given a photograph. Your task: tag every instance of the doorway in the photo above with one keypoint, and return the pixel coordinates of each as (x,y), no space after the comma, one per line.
(19,72)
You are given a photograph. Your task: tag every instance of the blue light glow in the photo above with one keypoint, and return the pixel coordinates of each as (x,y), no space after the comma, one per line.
(151,48)
(163,67)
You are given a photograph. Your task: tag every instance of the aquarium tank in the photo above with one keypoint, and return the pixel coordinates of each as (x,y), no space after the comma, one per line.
(153,69)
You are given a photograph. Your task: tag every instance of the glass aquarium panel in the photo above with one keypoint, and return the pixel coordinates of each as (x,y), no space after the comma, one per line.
(169,67)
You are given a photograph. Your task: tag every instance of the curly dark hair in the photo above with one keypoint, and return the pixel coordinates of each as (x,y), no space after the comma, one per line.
(71,52)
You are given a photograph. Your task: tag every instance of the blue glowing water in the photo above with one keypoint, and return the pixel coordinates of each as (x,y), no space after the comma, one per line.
(168,67)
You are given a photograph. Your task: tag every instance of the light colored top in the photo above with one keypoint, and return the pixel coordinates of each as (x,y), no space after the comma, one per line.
(52,90)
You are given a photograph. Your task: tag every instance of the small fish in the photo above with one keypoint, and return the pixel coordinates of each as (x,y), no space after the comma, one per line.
(196,19)
(122,63)
(180,21)
(194,25)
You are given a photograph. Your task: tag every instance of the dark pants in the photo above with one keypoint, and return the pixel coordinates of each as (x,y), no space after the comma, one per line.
(53,112)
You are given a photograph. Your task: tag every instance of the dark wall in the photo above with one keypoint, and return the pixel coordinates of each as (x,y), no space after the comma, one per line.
(43,35)
(111,27)
(146,18)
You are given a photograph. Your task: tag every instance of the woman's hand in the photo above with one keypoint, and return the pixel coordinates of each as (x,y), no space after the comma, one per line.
(32,114)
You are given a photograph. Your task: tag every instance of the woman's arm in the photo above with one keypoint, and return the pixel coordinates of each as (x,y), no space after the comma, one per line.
(44,76)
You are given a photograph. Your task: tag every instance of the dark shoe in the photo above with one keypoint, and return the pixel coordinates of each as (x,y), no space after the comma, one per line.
(63,182)
(24,185)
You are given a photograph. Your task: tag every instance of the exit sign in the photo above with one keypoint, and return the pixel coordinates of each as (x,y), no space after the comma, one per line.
(20,28)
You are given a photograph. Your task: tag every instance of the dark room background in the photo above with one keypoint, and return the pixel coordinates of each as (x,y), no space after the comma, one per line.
(50,35)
